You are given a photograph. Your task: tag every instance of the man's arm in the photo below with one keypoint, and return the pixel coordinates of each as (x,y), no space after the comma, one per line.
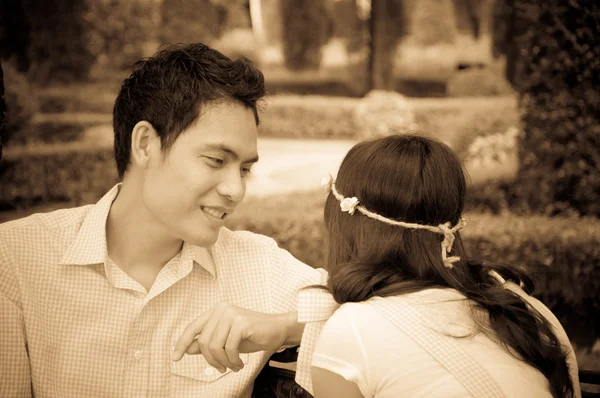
(294,330)
(221,333)
(15,374)
(225,331)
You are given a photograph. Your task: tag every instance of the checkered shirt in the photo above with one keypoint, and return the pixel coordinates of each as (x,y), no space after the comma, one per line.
(74,324)
(315,307)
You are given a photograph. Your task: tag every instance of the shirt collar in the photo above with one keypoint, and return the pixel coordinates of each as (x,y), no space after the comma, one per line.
(89,246)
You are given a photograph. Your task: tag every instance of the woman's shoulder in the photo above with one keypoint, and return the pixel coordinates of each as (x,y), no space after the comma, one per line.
(430,301)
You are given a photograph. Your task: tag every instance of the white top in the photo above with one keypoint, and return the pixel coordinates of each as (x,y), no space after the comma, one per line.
(364,347)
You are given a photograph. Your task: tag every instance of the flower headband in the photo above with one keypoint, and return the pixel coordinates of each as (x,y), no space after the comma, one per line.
(350,205)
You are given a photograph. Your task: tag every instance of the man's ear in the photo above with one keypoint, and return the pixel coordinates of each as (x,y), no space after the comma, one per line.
(144,142)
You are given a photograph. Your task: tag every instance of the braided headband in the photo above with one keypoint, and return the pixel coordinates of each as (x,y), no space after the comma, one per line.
(350,205)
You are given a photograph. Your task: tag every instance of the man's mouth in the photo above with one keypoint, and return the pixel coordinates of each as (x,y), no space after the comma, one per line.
(219,215)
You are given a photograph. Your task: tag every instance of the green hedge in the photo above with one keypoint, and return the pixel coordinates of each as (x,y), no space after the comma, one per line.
(314,117)
(318,117)
(291,117)
(75,173)
(457,121)
(489,81)
(562,253)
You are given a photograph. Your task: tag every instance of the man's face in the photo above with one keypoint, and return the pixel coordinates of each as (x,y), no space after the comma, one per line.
(202,178)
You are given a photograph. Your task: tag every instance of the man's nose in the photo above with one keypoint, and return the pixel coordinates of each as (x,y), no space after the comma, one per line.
(233,186)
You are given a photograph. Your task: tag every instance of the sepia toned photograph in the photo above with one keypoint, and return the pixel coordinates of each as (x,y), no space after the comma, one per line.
(300,198)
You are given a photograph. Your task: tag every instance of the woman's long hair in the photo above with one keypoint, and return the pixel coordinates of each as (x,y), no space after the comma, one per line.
(420,180)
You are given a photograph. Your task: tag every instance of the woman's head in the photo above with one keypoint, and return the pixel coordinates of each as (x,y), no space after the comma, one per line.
(420,180)
(406,178)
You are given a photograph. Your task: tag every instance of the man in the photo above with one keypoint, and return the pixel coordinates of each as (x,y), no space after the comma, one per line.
(96,300)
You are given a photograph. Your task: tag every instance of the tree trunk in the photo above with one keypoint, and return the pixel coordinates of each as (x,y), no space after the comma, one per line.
(2,109)
(512,50)
(474,17)
(385,24)
(256,20)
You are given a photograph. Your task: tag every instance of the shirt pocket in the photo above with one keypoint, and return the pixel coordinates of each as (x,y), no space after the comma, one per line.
(195,367)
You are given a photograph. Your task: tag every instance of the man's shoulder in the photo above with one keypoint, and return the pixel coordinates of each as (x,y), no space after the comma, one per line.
(246,239)
(52,221)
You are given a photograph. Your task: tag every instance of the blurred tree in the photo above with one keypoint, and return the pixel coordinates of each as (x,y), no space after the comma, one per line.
(191,21)
(2,108)
(557,76)
(307,27)
(505,30)
(472,16)
(21,105)
(118,31)
(387,25)
(58,50)
(348,25)
(14,33)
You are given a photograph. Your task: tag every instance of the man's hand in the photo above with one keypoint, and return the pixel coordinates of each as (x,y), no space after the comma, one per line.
(221,333)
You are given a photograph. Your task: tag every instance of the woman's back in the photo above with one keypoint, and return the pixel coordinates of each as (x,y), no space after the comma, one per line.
(362,345)
(394,217)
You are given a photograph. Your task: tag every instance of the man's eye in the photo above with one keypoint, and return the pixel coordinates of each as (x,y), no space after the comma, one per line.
(245,171)
(214,162)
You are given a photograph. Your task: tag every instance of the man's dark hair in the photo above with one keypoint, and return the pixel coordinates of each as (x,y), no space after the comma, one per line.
(169,89)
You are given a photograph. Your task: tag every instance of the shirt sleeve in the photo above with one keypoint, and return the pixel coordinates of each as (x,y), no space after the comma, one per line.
(340,349)
(287,276)
(15,375)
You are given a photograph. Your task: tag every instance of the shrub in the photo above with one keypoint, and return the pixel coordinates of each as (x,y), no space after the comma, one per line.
(50,132)
(85,98)
(311,118)
(563,254)
(459,125)
(306,29)
(191,21)
(119,30)
(453,121)
(58,50)
(559,157)
(488,197)
(382,113)
(476,82)
(76,173)
(493,149)
(21,105)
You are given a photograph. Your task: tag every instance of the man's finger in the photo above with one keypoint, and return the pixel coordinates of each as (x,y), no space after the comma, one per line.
(211,344)
(189,335)
(194,348)
(219,340)
(232,345)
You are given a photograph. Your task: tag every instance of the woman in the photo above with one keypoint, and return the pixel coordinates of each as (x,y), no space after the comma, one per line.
(416,317)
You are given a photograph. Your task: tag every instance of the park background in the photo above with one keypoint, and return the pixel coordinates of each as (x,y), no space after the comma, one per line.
(511,85)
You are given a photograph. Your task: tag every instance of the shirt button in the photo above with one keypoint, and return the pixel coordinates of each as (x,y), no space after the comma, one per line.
(139,355)
(209,371)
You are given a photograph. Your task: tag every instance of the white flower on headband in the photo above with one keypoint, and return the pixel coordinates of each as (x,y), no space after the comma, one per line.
(349,205)
(326,182)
